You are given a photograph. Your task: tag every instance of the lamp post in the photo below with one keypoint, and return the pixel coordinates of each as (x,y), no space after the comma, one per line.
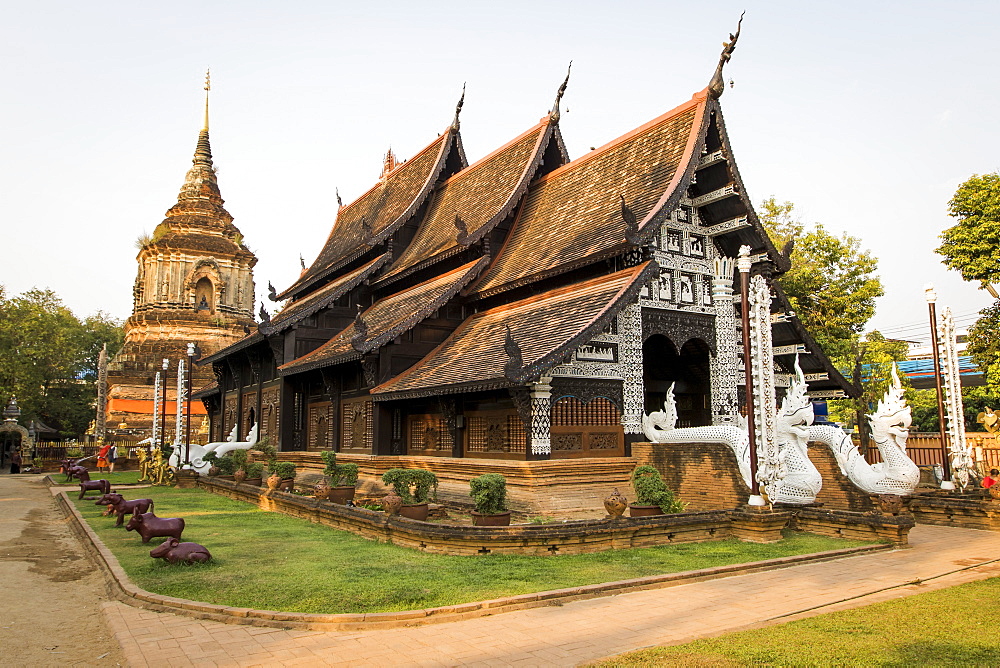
(931,295)
(163,412)
(744,263)
(187,428)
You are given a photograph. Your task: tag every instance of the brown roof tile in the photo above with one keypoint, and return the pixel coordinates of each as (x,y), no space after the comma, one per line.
(481,195)
(572,215)
(388,318)
(383,208)
(318,299)
(546,327)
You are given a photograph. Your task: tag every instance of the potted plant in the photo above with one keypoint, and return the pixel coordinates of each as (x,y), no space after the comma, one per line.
(342,477)
(489,491)
(652,496)
(254,473)
(285,471)
(414,487)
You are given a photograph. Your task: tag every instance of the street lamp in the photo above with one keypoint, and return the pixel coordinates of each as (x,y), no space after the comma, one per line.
(744,263)
(187,439)
(163,414)
(931,295)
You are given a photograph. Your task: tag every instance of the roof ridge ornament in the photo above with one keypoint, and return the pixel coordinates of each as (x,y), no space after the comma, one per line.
(515,359)
(554,113)
(718,85)
(360,331)
(272,294)
(340,202)
(463,231)
(455,124)
(631,223)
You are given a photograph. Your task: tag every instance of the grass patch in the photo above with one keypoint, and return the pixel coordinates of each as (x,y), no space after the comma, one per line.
(116,478)
(271,561)
(955,626)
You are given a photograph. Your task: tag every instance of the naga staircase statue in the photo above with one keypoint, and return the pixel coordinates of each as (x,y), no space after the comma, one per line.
(801,482)
(896,473)
(198,452)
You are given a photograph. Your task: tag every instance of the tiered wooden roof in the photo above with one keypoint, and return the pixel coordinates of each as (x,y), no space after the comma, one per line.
(378,213)
(546,328)
(387,319)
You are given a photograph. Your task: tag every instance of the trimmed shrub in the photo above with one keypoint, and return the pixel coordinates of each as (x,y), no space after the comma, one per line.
(650,490)
(489,491)
(412,485)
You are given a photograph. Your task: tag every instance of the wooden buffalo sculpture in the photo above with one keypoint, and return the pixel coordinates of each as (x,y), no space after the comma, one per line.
(121,507)
(102,486)
(79,472)
(149,526)
(174,551)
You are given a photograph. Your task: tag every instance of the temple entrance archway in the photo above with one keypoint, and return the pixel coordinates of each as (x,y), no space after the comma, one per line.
(12,437)
(688,369)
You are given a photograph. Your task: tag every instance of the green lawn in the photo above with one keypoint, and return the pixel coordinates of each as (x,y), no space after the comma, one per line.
(272,561)
(959,626)
(117,478)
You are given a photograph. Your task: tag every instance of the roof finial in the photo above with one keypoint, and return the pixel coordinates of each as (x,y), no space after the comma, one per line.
(458,110)
(389,163)
(718,85)
(208,87)
(554,114)
(340,202)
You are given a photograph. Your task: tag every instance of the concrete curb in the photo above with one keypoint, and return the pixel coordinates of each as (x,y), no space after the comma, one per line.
(121,588)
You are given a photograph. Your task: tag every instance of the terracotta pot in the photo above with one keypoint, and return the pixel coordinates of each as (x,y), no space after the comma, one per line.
(321,490)
(240,476)
(635,510)
(391,503)
(341,494)
(415,511)
(615,504)
(214,470)
(498,520)
(994,491)
(257,482)
(273,481)
(888,504)
(287,484)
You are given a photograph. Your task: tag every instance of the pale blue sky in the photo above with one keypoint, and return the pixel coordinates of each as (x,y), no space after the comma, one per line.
(866,115)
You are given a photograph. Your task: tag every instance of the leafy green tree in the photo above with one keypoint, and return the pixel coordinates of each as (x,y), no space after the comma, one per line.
(48,358)
(971,245)
(874,357)
(832,284)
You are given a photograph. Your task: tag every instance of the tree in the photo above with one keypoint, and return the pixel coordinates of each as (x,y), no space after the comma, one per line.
(832,284)
(874,357)
(971,246)
(48,358)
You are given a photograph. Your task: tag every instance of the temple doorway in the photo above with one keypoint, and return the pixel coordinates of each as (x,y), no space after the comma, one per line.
(688,369)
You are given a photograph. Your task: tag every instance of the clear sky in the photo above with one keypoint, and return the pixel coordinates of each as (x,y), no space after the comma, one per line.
(866,115)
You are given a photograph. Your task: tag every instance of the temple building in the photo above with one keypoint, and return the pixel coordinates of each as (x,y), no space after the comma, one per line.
(523,307)
(195,284)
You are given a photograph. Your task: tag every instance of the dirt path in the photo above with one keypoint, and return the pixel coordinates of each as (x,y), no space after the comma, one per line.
(52,591)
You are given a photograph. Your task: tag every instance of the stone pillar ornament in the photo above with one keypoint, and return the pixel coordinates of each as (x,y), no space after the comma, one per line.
(630,355)
(931,295)
(157,394)
(771,468)
(101,421)
(541,416)
(962,465)
(725,364)
(181,401)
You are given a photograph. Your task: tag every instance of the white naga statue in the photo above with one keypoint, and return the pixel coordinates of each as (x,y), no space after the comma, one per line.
(896,474)
(801,481)
(198,452)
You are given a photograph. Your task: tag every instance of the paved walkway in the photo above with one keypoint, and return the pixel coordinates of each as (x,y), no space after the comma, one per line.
(580,631)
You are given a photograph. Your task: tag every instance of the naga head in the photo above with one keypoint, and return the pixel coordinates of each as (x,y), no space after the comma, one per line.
(892,418)
(660,421)
(796,408)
